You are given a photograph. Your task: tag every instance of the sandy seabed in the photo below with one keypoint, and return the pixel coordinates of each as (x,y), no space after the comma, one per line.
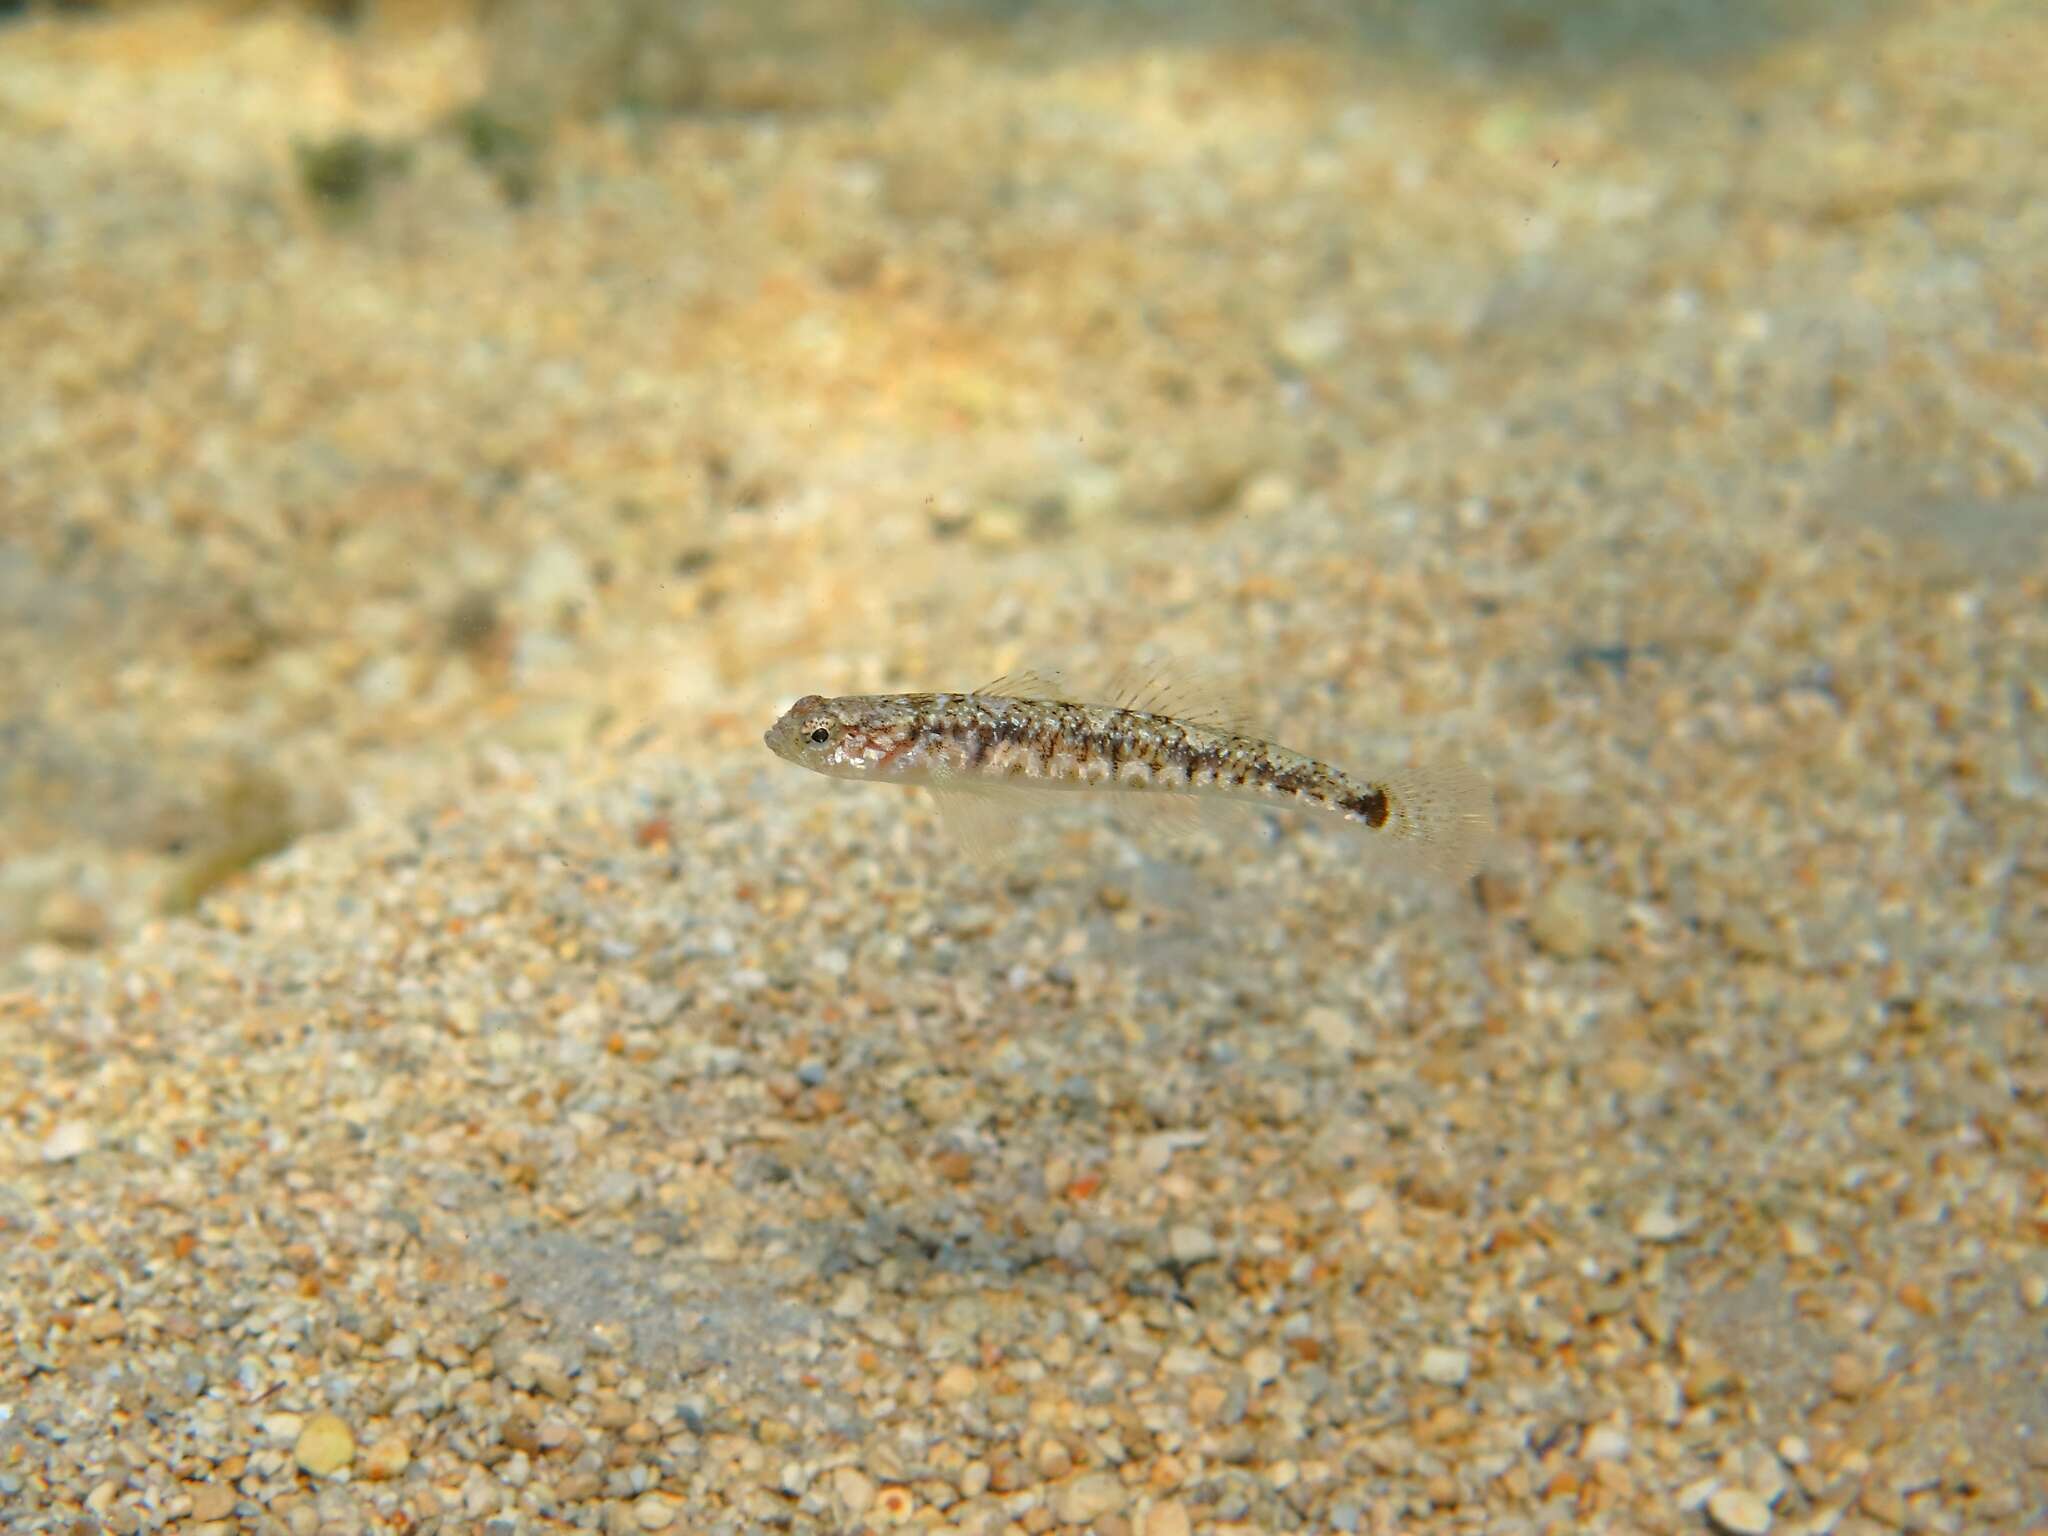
(455,1079)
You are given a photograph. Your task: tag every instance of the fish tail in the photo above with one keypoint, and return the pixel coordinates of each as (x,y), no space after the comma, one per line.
(1439,818)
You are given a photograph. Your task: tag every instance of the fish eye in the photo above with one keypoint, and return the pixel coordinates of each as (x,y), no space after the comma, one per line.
(821,735)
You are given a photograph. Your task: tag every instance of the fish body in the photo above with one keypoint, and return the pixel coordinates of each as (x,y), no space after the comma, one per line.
(1016,738)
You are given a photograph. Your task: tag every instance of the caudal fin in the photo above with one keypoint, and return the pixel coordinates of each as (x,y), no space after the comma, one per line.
(1439,818)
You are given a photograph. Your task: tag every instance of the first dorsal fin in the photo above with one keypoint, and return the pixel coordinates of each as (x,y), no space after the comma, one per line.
(1038,683)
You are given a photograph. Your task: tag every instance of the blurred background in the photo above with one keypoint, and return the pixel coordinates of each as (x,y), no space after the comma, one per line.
(393,377)
(437,438)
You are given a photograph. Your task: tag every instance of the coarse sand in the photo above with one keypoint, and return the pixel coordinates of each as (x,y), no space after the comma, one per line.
(455,1079)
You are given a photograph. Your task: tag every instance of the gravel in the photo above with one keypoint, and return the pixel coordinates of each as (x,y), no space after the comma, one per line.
(456,1079)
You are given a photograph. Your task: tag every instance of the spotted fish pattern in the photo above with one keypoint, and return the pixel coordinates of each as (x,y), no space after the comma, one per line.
(1019,736)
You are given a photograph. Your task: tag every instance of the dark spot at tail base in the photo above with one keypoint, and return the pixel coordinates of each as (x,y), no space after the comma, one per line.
(1371,807)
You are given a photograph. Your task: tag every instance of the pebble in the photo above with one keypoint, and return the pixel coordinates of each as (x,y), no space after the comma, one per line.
(956,1384)
(1574,918)
(1337,1031)
(1311,340)
(387,1457)
(1749,936)
(1798,1240)
(1883,1504)
(212,1501)
(1604,1442)
(1263,1365)
(325,1445)
(1659,1223)
(854,1489)
(998,529)
(1267,495)
(384,681)
(1695,1494)
(1850,1375)
(67,918)
(68,1140)
(650,1116)
(1445,1367)
(556,576)
(1826,1035)
(1739,1512)
(1093,494)
(1089,1497)
(852,1299)
(1156,1152)
(654,1512)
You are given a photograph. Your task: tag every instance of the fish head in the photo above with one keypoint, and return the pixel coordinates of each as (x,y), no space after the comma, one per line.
(849,738)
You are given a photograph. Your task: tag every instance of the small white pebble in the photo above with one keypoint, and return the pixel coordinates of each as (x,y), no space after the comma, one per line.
(852,1299)
(67,1141)
(1659,1224)
(1267,495)
(1445,1367)
(1799,1240)
(1263,1365)
(1311,340)
(855,1489)
(325,1445)
(654,1513)
(1335,1030)
(1739,1512)
(1696,1493)
(1604,1442)
(1088,1498)
(1186,1360)
(1191,1245)
(1156,1153)
(1794,1452)
(1574,918)
(956,1383)
(555,575)
(388,1458)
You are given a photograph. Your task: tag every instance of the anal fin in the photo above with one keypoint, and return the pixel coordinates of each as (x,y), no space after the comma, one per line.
(1149,816)
(985,823)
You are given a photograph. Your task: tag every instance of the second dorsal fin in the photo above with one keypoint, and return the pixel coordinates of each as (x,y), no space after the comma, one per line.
(1177,689)
(1149,687)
